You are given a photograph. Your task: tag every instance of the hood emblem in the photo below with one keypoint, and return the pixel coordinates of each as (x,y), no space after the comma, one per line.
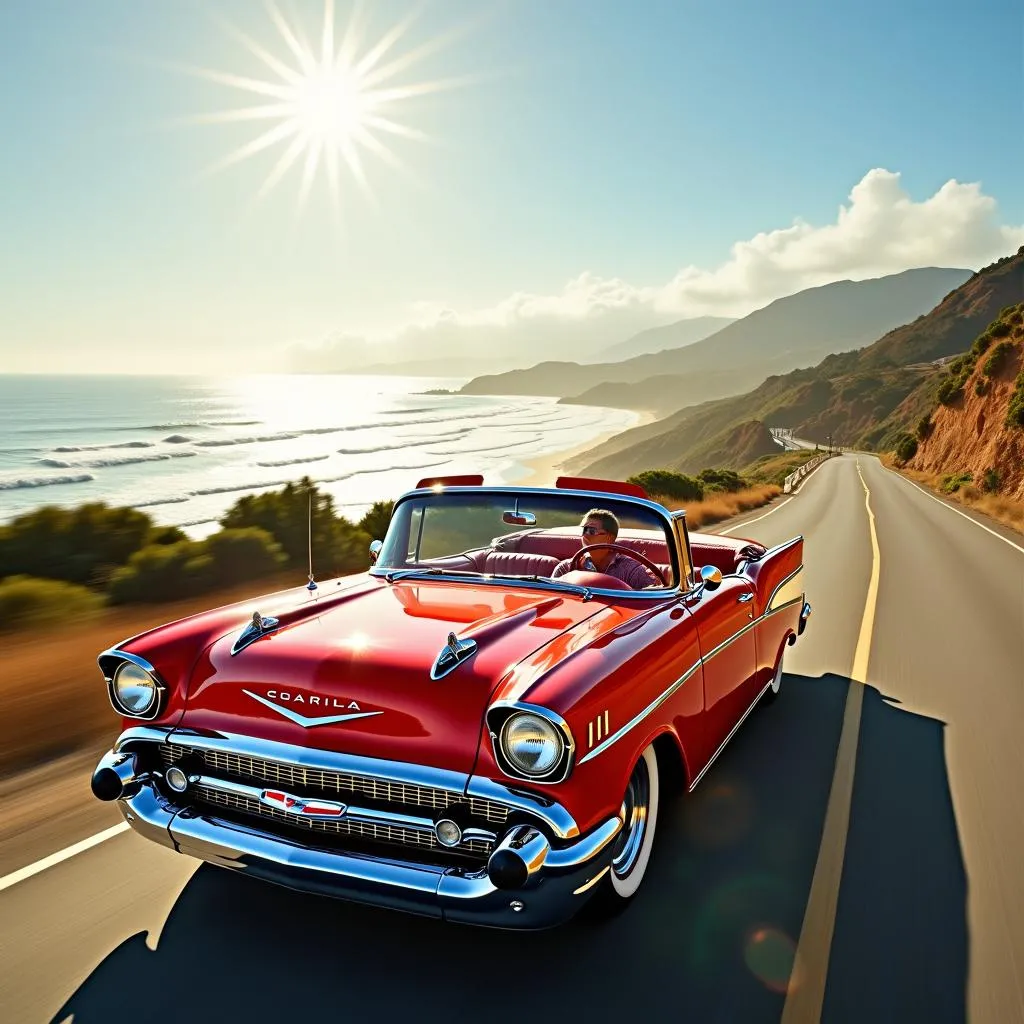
(454,652)
(306,721)
(260,626)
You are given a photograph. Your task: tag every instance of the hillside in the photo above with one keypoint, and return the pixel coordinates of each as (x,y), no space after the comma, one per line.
(656,339)
(797,330)
(972,432)
(859,397)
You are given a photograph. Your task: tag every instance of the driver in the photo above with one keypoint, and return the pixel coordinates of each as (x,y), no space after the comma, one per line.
(602,527)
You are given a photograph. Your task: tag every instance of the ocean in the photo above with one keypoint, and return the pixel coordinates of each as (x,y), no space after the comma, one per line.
(184,449)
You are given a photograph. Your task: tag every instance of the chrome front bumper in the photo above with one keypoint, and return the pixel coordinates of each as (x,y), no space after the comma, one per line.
(526,884)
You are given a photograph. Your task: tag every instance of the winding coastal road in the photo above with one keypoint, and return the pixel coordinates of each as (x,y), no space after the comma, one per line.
(870,823)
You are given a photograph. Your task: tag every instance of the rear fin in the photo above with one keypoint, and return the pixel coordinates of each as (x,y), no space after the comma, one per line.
(586,483)
(451,481)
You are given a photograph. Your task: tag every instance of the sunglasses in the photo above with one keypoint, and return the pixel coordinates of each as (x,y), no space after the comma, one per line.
(591,530)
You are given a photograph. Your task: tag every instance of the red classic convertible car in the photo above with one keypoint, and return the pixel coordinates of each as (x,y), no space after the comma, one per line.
(480,727)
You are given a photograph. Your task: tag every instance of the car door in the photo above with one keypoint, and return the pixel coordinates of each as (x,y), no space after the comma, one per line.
(724,618)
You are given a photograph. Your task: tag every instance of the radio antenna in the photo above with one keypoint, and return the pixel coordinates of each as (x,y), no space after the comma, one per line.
(311,585)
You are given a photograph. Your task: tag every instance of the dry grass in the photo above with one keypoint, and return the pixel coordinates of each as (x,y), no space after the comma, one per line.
(1001,509)
(54,697)
(723,506)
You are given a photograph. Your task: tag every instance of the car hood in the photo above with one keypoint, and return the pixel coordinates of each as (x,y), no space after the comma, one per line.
(353,674)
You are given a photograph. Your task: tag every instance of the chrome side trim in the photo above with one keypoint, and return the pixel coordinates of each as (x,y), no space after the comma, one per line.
(142,734)
(782,547)
(638,718)
(718,648)
(732,732)
(782,583)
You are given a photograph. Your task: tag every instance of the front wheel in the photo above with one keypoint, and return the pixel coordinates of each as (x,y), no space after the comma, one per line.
(776,684)
(633,845)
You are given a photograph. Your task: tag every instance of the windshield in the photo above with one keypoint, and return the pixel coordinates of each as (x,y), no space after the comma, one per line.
(510,535)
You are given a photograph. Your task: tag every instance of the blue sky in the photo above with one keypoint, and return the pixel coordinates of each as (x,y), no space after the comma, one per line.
(622,140)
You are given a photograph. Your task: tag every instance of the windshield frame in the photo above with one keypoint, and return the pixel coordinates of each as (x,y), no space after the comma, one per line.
(681,571)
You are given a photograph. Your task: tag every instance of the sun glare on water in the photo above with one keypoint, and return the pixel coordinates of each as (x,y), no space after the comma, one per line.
(328,104)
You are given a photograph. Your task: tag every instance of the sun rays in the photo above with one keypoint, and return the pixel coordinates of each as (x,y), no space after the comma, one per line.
(326,106)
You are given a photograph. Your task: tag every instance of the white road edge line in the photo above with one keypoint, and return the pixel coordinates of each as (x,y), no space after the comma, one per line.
(61,855)
(750,522)
(805,995)
(945,504)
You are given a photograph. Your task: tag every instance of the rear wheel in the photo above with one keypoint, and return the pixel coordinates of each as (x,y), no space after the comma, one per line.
(632,848)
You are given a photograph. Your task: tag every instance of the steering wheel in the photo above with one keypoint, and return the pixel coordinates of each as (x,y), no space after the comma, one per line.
(628,552)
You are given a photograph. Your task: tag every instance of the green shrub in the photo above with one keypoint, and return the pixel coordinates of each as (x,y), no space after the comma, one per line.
(991,482)
(997,359)
(906,448)
(80,545)
(727,480)
(954,481)
(669,484)
(924,427)
(980,386)
(31,601)
(338,546)
(165,535)
(377,519)
(164,572)
(241,555)
(981,343)
(1015,412)
(950,390)
(1001,329)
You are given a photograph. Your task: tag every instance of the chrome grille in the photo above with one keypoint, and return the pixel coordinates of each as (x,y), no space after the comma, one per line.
(297,776)
(364,830)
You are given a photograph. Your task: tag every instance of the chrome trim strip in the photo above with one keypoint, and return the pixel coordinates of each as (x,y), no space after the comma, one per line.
(548,811)
(732,733)
(553,814)
(718,648)
(778,586)
(636,719)
(782,547)
(142,734)
(587,886)
(781,607)
(592,844)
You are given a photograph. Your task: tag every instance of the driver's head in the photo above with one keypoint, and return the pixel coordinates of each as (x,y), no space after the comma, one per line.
(599,527)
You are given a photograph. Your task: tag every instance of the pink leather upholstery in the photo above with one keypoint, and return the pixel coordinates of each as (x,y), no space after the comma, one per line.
(517,563)
(725,553)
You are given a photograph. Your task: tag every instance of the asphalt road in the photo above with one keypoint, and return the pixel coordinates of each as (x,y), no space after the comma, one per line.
(905,896)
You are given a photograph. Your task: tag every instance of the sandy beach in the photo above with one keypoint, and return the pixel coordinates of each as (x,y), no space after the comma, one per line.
(543,470)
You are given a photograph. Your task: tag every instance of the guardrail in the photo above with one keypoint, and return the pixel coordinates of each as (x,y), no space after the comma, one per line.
(808,467)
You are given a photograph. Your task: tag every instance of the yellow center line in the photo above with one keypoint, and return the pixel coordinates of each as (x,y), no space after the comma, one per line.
(806,993)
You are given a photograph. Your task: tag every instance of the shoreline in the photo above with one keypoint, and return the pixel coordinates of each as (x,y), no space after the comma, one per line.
(542,470)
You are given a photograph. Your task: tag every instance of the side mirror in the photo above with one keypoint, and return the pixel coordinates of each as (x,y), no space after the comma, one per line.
(375,546)
(518,518)
(711,577)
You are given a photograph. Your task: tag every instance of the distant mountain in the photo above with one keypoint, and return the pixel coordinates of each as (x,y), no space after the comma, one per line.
(798,330)
(863,398)
(656,339)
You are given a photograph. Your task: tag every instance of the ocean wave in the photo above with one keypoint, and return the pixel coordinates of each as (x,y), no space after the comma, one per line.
(134,460)
(199,423)
(44,481)
(400,443)
(102,447)
(177,439)
(455,452)
(294,462)
(159,501)
(265,484)
(53,463)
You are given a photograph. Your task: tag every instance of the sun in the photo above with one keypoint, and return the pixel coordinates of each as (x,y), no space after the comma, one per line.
(326,105)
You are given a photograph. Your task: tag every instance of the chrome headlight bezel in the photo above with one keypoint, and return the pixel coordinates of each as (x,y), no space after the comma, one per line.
(111,663)
(503,715)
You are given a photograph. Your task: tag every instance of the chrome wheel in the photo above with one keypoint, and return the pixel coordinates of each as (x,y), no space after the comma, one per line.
(634,814)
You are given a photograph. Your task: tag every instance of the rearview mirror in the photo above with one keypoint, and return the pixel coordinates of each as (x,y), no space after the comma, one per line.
(518,518)
(375,546)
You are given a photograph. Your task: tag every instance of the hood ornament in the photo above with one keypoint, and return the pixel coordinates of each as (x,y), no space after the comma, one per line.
(260,626)
(454,652)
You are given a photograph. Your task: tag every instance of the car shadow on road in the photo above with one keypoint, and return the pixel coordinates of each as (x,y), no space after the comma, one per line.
(711,936)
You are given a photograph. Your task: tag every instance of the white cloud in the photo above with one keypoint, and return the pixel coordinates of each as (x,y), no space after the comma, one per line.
(881,230)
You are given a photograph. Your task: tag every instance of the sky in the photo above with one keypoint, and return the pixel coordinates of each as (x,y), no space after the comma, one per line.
(530,166)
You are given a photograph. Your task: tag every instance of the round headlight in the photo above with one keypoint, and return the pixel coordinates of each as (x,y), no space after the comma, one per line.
(531,743)
(134,688)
